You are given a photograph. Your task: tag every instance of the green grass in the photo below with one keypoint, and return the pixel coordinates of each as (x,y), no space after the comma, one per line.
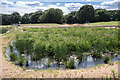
(111,23)
(2,26)
(5,28)
(41,24)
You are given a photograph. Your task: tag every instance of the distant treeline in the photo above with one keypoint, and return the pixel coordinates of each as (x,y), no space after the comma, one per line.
(86,13)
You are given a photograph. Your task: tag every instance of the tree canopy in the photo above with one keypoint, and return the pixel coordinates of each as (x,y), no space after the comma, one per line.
(86,13)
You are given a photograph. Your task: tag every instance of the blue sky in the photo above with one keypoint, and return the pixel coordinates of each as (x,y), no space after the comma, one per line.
(28,6)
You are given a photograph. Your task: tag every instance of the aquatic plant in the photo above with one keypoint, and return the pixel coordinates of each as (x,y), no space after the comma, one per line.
(36,70)
(113,73)
(27,61)
(106,57)
(11,48)
(20,60)
(12,56)
(60,43)
(70,63)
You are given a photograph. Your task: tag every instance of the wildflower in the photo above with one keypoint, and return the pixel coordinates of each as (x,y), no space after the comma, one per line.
(107,54)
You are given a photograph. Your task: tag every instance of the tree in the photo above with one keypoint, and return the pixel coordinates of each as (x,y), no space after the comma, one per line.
(71,17)
(6,19)
(102,15)
(85,13)
(25,19)
(34,17)
(15,17)
(52,16)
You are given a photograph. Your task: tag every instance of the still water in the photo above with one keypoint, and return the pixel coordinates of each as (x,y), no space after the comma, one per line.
(86,62)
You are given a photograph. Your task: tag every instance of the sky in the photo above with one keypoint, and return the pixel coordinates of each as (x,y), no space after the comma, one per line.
(28,6)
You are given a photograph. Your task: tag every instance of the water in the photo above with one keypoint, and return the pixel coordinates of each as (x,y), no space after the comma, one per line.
(43,63)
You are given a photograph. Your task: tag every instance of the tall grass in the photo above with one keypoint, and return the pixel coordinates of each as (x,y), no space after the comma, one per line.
(60,43)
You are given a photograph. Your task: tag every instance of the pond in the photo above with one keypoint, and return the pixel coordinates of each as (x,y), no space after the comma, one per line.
(49,63)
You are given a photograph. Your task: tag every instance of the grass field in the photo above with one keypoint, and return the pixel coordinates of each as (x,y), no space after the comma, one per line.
(41,24)
(111,23)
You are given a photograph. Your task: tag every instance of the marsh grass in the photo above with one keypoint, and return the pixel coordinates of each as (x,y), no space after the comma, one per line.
(62,42)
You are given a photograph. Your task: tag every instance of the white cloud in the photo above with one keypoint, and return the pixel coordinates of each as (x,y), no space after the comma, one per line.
(5,2)
(32,3)
(31,6)
(73,6)
(110,4)
(58,4)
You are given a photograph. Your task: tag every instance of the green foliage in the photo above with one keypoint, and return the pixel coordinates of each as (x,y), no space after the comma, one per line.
(24,68)
(34,17)
(20,60)
(71,18)
(105,59)
(25,19)
(12,56)
(70,63)
(113,72)
(52,16)
(86,13)
(15,18)
(60,43)
(4,29)
(35,70)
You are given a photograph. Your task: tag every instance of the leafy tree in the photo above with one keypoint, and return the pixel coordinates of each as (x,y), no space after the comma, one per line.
(25,19)
(6,19)
(34,17)
(85,13)
(102,15)
(52,16)
(71,17)
(15,17)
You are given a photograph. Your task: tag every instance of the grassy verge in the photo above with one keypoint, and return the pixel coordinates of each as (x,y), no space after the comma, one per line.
(111,23)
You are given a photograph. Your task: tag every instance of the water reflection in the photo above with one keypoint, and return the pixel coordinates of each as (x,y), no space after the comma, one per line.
(49,63)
